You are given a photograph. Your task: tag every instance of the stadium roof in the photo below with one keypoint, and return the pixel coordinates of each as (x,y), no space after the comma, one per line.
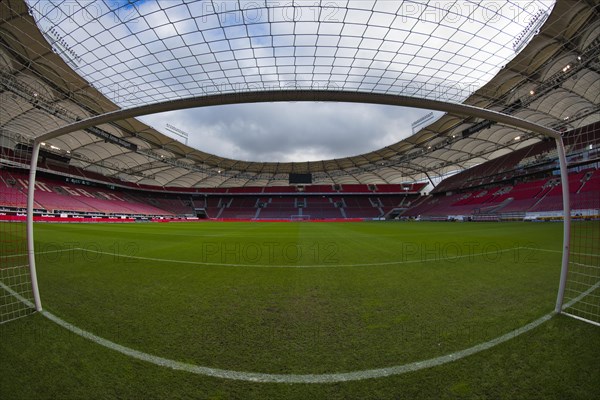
(66,61)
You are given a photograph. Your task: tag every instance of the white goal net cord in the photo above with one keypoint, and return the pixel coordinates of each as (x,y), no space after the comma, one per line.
(582,290)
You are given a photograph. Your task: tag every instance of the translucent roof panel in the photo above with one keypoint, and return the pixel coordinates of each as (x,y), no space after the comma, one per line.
(148,51)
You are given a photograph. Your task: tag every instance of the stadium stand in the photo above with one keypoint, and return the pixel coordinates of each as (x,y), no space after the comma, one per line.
(524,181)
(520,182)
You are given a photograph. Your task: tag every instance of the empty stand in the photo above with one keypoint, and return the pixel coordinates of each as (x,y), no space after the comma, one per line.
(519,182)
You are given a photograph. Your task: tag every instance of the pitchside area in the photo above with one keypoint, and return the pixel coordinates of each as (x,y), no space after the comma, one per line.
(298,299)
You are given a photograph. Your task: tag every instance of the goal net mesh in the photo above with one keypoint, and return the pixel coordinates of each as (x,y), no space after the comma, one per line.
(16,296)
(582,291)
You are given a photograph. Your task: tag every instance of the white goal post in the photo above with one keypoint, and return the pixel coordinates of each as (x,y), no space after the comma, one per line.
(581,293)
(309,95)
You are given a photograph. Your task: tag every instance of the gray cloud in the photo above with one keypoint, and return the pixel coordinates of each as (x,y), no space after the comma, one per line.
(290,131)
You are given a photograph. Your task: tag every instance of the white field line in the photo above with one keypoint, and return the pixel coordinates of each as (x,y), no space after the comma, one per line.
(560,251)
(299,266)
(37,252)
(18,297)
(581,296)
(280,378)
(332,265)
(570,262)
(576,300)
(295,378)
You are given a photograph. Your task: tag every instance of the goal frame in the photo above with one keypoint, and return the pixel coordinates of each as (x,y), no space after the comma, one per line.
(307,95)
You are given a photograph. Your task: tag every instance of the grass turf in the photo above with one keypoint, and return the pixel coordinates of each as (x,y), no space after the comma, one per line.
(299,298)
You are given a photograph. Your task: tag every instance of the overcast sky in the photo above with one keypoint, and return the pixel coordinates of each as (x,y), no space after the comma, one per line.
(290,131)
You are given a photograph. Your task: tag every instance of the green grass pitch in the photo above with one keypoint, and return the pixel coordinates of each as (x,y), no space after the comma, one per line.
(299,298)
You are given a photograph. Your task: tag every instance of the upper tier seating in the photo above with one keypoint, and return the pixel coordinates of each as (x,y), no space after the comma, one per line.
(535,196)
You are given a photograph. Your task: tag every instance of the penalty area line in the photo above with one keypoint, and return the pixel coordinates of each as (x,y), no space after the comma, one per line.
(36,253)
(560,251)
(299,266)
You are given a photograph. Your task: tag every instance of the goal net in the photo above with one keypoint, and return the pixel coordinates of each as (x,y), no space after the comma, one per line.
(16,294)
(582,290)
